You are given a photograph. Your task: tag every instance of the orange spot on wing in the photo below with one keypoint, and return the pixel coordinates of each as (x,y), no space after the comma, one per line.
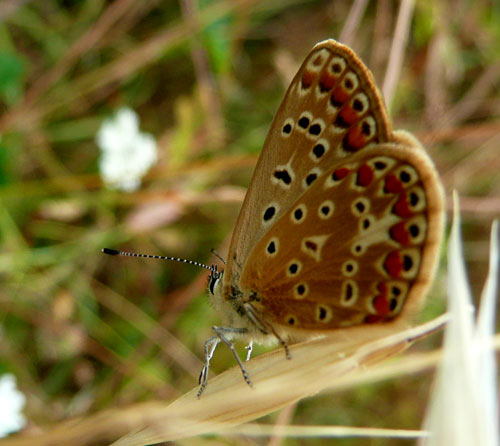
(393,264)
(401,207)
(400,234)
(393,185)
(327,81)
(348,114)
(355,139)
(365,175)
(380,302)
(308,78)
(340,96)
(341,173)
(317,61)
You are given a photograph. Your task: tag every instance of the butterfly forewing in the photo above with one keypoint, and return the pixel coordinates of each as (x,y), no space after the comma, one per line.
(355,247)
(331,110)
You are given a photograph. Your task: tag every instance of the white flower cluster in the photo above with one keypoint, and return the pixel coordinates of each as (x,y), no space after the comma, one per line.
(126,153)
(11,406)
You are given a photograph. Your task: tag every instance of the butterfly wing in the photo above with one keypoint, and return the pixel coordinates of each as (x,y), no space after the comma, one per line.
(358,246)
(331,110)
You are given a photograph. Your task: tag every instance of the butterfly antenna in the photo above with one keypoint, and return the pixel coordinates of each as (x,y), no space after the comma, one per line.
(216,254)
(115,252)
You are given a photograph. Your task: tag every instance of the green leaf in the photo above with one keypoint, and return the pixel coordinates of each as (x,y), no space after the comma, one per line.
(11,70)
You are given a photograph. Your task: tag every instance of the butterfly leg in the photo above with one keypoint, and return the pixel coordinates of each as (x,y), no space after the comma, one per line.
(249,349)
(221,332)
(210,345)
(265,327)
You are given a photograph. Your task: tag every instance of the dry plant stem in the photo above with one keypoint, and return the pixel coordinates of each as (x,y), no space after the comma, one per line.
(474,96)
(283,420)
(352,21)
(479,205)
(435,88)
(397,50)
(316,365)
(468,133)
(381,38)
(206,81)
(478,162)
(9,7)
(92,38)
(24,118)
(295,431)
(143,418)
(169,343)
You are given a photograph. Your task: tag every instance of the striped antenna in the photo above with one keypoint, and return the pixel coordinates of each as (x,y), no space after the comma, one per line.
(115,252)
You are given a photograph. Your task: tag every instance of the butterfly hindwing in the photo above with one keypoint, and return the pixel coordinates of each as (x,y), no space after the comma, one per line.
(355,247)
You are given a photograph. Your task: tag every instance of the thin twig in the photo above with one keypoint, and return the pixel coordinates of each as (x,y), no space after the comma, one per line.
(435,91)
(90,39)
(206,81)
(381,39)
(352,21)
(7,8)
(397,48)
(283,419)
(474,96)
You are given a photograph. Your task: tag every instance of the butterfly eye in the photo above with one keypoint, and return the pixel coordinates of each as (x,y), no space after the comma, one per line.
(213,280)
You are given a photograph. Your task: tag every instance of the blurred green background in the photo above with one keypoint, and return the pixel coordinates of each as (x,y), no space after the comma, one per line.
(83,332)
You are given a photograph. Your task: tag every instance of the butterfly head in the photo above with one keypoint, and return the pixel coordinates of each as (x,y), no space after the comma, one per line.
(214,280)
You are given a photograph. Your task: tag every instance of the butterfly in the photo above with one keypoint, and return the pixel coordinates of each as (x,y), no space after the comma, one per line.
(342,222)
